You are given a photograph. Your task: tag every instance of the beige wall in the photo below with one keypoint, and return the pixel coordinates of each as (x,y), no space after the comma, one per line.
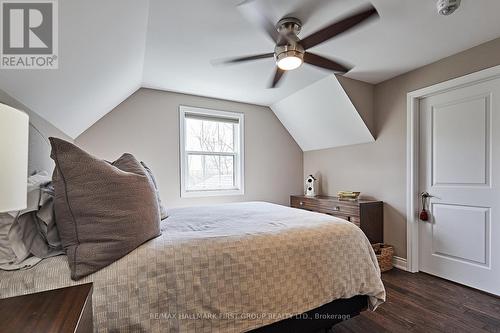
(379,169)
(147,125)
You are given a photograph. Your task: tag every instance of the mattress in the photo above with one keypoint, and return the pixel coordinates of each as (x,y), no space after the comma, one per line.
(222,268)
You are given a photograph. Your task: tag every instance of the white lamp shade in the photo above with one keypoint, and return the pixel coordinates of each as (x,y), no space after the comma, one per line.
(14,127)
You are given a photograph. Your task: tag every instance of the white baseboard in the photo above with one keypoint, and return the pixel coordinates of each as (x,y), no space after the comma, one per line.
(400,263)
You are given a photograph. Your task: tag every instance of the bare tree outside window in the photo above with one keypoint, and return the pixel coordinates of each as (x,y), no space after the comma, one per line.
(211,152)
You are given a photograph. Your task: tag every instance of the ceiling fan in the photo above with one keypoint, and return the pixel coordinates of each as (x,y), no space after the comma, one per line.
(290,51)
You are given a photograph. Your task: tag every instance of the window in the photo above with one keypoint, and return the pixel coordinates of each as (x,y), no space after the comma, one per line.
(211,146)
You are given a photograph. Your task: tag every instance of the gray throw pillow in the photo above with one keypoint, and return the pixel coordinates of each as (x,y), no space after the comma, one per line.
(103,211)
(163,210)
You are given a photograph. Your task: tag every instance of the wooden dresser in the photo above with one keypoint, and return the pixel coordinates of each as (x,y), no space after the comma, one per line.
(366,214)
(54,311)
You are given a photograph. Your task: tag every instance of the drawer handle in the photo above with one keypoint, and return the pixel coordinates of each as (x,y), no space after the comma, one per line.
(301,203)
(337,208)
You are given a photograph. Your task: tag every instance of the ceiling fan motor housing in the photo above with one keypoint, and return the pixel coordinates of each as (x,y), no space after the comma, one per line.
(289,25)
(288,46)
(289,50)
(447,7)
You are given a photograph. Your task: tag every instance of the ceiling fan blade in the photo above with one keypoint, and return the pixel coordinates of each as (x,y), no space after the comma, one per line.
(243,59)
(319,61)
(278,74)
(337,28)
(253,12)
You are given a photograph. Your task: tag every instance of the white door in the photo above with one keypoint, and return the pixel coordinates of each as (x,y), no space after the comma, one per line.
(460,168)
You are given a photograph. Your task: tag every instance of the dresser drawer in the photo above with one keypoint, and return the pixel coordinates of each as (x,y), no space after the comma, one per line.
(302,202)
(366,214)
(327,207)
(353,219)
(344,209)
(356,220)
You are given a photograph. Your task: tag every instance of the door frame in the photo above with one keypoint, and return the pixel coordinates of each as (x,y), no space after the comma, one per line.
(413,149)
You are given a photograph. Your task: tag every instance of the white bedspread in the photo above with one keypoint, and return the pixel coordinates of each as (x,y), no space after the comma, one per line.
(224,268)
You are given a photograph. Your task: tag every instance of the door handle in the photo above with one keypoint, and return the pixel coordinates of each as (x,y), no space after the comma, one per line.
(426,195)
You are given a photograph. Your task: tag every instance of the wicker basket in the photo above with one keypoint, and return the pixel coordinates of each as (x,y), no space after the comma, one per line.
(384,254)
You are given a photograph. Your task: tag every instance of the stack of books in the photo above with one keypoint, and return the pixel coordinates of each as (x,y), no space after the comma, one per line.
(348,195)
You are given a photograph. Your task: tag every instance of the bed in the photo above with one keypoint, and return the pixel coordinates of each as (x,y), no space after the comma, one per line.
(224,268)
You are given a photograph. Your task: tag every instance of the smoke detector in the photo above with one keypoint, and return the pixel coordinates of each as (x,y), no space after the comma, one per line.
(447,7)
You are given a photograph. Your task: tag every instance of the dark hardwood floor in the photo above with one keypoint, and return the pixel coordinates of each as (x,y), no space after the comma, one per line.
(423,303)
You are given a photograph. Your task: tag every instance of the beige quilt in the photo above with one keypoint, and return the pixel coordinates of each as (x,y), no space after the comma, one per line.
(224,268)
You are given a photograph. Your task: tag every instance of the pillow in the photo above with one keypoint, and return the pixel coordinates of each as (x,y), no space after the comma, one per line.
(163,210)
(30,232)
(103,211)
(7,255)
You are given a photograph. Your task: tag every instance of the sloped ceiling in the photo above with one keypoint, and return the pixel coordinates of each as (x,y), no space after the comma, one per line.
(322,116)
(101,53)
(110,48)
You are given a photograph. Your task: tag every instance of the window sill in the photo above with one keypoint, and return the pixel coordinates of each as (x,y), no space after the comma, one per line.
(215,193)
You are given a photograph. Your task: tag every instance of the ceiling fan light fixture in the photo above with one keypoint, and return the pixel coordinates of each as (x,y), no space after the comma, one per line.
(289,63)
(290,60)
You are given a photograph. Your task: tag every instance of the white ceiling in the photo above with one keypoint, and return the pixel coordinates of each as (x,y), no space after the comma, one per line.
(110,48)
(408,34)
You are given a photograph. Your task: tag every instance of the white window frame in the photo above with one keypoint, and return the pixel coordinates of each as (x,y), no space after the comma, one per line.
(239,156)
